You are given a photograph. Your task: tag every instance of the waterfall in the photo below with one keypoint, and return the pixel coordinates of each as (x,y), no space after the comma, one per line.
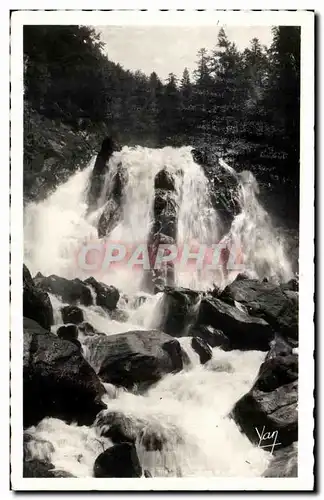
(188,410)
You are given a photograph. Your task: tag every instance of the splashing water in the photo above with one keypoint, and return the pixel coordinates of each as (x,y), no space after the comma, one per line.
(262,247)
(187,411)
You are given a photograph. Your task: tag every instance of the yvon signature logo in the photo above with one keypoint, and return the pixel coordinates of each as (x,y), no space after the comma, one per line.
(267,439)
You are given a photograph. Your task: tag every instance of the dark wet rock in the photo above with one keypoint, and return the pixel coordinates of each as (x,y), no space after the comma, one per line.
(277,371)
(72,314)
(68,332)
(100,169)
(165,211)
(244,332)
(178,356)
(33,326)
(213,337)
(222,186)
(159,276)
(119,182)
(284,462)
(267,301)
(71,291)
(164,180)
(201,347)
(278,347)
(36,302)
(106,296)
(179,310)
(291,285)
(41,468)
(271,404)
(120,460)
(58,382)
(136,359)
(109,218)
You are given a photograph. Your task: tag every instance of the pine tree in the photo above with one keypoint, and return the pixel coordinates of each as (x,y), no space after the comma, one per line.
(202,91)
(187,111)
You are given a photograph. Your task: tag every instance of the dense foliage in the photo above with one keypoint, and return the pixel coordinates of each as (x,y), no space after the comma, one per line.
(243,103)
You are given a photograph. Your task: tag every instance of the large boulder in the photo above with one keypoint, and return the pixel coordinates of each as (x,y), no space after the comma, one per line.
(109,218)
(165,211)
(69,332)
(243,331)
(57,381)
(213,337)
(203,350)
(268,301)
(106,296)
(100,169)
(179,310)
(269,409)
(120,460)
(70,291)
(155,279)
(136,359)
(165,180)
(284,462)
(36,302)
(112,211)
(72,314)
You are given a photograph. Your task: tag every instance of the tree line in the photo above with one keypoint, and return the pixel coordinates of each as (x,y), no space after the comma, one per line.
(243,102)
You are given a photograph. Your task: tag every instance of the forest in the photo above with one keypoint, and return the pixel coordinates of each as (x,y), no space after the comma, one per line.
(243,104)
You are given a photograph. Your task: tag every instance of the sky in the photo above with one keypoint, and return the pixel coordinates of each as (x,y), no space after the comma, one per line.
(166,49)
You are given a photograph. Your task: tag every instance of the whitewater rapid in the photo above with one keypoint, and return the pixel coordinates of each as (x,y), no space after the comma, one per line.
(189,409)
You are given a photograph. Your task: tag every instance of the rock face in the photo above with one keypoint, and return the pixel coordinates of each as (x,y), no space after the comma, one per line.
(68,332)
(120,460)
(155,279)
(243,331)
(71,291)
(271,405)
(284,463)
(178,310)
(36,302)
(109,218)
(112,212)
(106,296)
(266,301)
(202,349)
(164,229)
(100,169)
(223,186)
(135,359)
(72,314)
(165,204)
(213,337)
(58,382)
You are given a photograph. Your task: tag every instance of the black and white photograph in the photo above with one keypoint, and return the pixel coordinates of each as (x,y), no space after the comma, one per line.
(162,227)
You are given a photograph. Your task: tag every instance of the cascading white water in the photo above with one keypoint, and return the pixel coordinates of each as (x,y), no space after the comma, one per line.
(189,410)
(261,246)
